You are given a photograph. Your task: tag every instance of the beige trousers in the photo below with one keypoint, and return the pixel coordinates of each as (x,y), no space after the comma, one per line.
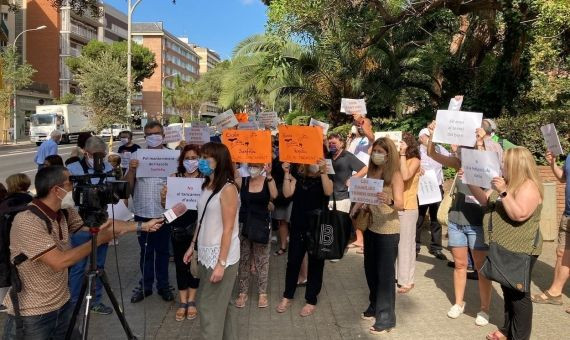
(406,264)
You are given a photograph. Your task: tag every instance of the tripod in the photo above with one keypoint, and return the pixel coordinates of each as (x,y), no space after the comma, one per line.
(88,291)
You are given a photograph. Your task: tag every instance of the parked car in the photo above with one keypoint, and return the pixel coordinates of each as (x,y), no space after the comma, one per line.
(114,131)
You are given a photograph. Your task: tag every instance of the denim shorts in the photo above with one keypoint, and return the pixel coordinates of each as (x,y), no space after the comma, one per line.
(466,236)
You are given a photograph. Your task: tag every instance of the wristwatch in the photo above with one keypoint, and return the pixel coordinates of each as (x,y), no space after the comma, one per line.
(139,228)
(222,262)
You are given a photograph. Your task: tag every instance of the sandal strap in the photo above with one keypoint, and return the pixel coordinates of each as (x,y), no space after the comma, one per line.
(182,305)
(191,303)
(550,296)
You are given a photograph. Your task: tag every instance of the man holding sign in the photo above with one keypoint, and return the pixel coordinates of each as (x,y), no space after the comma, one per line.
(361,134)
(146,199)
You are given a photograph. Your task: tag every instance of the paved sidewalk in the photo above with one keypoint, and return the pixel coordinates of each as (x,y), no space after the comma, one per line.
(421,314)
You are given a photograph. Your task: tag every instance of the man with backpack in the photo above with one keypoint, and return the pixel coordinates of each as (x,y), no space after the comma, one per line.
(39,255)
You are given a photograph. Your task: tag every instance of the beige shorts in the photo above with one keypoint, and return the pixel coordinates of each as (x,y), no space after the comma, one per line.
(564,233)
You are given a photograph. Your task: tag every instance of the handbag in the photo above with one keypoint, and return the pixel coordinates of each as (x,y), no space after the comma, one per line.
(329,232)
(194,259)
(445,205)
(506,267)
(363,218)
(257,226)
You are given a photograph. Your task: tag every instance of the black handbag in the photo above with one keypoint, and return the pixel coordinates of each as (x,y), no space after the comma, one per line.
(328,233)
(506,267)
(257,225)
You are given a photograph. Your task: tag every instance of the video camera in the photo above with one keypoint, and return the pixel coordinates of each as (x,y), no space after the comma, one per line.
(92,198)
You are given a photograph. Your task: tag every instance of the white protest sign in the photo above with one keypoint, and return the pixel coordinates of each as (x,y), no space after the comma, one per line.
(197,135)
(125,159)
(248,126)
(225,120)
(157,163)
(395,136)
(330,169)
(324,126)
(479,167)
(551,138)
(456,127)
(198,124)
(173,134)
(365,190)
(428,188)
(364,157)
(183,190)
(119,211)
(455,103)
(268,119)
(353,106)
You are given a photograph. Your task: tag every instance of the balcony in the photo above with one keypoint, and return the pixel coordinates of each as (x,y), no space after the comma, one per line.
(83,33)
(74,52)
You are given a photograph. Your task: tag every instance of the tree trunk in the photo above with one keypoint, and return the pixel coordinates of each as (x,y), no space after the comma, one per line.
(459,37)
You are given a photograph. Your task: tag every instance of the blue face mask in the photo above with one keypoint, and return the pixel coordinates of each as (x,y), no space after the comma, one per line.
(333,149)
(204,167)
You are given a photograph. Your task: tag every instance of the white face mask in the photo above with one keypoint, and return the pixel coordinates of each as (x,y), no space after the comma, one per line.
(67,200)
(153,140)
(190,165)
(378,158)
(90,162)
(254,171)
(124,141)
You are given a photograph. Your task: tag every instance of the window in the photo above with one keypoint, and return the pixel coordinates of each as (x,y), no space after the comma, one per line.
(138,39)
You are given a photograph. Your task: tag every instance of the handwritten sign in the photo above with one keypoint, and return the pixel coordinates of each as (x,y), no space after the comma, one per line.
(428,188)
(268,119)
(197,135)
(353,106)
(456,127)
(125,159)
(157,163)
(225,120)
(365,190)
(300,144)
(455,103)
(395,136)
(551,138)
(330,169)
(324,126)
(248,126)
(198,124)
(119,211)
(173,134)
(248,146)
(183,190)
(479,167)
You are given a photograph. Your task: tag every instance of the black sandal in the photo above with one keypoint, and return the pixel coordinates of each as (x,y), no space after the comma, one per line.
(280,252)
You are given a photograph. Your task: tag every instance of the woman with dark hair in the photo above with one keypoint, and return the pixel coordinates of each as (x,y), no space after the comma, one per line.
(217,241)
(410,170)
(181,235)
(382,236)
(309,191)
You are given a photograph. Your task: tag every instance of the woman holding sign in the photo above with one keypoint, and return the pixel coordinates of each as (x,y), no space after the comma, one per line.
(382,236)
(309,192)
(513,209)
(182,230)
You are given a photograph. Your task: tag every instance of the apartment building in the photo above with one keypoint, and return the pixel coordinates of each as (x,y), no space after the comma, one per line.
(208,58)
(174,58)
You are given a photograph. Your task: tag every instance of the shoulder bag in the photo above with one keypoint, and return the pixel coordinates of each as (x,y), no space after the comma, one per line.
(445,205)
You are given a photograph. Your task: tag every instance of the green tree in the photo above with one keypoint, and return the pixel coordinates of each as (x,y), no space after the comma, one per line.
(184,98)
(103,90)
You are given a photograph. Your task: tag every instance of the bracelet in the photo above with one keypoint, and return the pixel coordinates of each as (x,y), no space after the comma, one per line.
(402,155)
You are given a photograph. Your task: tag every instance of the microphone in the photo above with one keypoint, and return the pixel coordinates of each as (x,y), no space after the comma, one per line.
(176,211)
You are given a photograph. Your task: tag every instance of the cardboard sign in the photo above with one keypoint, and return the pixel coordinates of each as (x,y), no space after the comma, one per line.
(251,126)
(119,211)
(456,127)
(225,120)
(455,103)
(395,136)
(330,169)
(324,126)
(365,190)
(353,106)
(157,163)
(479,167)
(428,188)
(268,119)
(125,159)
(173,134)
(197,135)
(300,144)
(551,138)
(248,146)
(183,190)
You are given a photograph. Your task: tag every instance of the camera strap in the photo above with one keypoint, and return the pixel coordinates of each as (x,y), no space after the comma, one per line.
(84,165)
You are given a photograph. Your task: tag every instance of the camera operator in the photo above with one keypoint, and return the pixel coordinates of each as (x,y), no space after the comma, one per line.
(147,204)
(42,235)
(76,274)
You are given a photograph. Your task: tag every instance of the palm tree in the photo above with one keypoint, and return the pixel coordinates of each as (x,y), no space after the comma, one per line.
(183,97)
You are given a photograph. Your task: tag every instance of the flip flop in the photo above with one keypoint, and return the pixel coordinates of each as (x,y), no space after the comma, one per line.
(550,299)
(307,310)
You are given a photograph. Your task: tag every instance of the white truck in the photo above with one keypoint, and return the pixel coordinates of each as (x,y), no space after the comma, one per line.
(68,118)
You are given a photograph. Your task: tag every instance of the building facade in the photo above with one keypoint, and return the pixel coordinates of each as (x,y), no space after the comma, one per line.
(173,56)
(208,58)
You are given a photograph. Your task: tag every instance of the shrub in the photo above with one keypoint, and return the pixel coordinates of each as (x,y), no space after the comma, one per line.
(174,119)
(301,120)
(342,130)
(288,118)
(410,123)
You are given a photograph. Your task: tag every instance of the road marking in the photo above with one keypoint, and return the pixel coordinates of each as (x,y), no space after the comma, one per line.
(24,151)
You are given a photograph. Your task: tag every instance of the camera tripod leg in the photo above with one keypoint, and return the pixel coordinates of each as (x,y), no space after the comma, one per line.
(85,293)
(115,303)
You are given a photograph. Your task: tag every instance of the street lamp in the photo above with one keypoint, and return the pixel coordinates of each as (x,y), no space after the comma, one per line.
(15,135)
(162,93)
(130,10)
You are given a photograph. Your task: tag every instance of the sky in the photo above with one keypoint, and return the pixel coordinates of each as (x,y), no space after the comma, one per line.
(217,24)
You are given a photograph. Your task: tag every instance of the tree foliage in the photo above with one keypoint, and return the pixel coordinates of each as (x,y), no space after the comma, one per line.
(14,75)
(184,98)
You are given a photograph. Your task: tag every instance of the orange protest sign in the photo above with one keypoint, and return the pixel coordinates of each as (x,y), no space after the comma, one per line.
(300,144)
(248,146)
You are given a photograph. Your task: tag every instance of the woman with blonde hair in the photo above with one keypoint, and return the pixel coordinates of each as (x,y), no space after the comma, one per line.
(382,236)
(513,209)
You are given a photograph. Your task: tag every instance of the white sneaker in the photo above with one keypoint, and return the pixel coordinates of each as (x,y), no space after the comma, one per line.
(482,319)
(455,311)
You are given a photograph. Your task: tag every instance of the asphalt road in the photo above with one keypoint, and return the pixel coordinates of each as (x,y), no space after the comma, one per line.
(20,158)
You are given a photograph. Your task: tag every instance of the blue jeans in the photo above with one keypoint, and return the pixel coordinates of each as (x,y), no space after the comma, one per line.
(470,236)
(52,325)
(154,257)
(77,271)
